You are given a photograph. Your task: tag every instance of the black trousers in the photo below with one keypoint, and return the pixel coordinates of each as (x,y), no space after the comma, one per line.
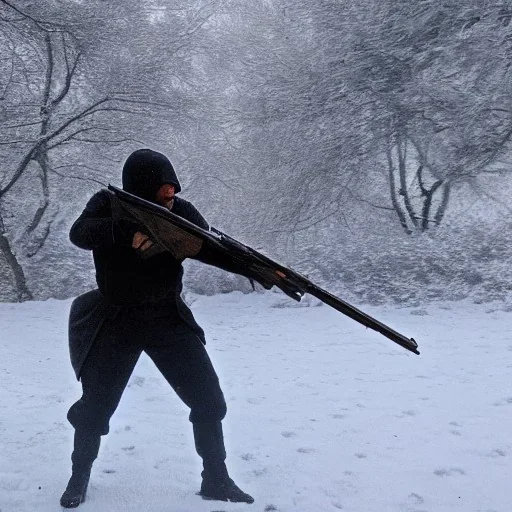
(175,349)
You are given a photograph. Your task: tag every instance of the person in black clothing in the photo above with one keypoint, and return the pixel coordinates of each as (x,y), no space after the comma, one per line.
(138,307)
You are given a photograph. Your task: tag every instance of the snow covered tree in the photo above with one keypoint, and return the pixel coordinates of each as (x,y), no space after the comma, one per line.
(65,98)
(437,80)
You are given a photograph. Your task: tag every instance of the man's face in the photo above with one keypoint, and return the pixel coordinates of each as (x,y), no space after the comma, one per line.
(165,195)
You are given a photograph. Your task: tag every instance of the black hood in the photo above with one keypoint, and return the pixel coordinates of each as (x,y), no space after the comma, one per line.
(145,171)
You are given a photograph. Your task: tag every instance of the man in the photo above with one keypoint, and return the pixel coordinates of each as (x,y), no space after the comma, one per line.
(138,307)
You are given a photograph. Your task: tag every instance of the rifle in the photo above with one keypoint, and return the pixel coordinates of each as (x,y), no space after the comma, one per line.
(184,239)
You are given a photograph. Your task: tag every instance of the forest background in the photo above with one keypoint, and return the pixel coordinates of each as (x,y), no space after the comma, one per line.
(366,144)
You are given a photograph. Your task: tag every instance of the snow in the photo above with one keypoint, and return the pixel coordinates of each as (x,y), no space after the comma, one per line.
(323,414)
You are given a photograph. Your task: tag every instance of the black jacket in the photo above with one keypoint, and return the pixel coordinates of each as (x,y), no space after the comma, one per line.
(123,277)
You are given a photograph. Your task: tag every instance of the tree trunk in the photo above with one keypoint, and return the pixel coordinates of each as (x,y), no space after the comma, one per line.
(401,149)
(444,203)
(20,281)
(392,191)
(42,159)
(427,205)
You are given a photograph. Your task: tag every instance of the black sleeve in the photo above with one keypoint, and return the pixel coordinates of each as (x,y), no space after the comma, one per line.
(217,258)
(95,229)
(206,255)
(230,264)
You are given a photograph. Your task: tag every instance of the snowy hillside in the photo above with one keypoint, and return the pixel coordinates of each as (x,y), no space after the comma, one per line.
(323,415)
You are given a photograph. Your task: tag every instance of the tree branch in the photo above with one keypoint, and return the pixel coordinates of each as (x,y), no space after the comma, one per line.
(69,76)
(40,24)
(21,125)
(48,75)
(11,142)
(81,178)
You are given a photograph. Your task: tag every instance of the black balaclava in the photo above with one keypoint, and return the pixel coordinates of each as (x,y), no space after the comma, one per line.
(145,171)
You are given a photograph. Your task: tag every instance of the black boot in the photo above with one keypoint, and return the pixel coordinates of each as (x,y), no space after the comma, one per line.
(216,484)
(77,488)
(86,447)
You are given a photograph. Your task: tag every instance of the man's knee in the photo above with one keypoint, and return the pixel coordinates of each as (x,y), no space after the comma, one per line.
(89,417)
(210,411)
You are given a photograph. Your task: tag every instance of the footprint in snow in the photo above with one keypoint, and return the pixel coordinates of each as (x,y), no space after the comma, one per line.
(505,401)
(361,455)
(137,381)
(498,452)
(449,472)
(416,498)
(305,450)
(119,430)
(288,434)
(160,462)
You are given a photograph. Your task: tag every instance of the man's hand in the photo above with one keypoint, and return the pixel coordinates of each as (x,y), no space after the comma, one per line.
(141,241)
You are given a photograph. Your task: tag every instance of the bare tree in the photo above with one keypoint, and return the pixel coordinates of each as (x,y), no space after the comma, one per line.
(55,102)
(438,85)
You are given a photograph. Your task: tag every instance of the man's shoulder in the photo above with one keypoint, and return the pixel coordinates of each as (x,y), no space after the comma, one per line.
(181,204)
(188,211)
(105,193)
(101,195)
(99,201)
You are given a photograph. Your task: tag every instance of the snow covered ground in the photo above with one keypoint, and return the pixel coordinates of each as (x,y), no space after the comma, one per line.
(323,415)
